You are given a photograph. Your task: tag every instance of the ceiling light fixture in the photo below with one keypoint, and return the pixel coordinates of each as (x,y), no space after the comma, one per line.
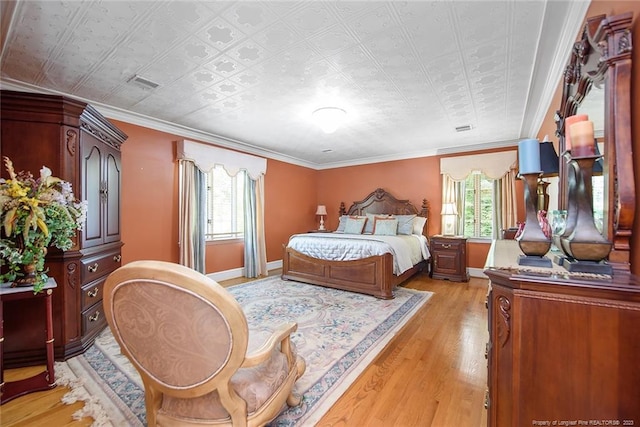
(329,118)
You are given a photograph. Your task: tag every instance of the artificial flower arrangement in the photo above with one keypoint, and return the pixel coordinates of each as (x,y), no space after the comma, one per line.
(35,213)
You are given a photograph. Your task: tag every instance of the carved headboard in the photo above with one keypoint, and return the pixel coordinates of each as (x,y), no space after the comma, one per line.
(381,202)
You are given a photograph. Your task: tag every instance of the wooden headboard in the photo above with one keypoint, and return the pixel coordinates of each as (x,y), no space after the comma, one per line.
(381,202)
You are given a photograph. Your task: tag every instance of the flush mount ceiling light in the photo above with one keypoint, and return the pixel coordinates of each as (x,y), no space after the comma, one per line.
(329,118)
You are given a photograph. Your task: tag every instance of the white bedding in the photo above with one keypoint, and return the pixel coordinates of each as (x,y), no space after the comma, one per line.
(407,250)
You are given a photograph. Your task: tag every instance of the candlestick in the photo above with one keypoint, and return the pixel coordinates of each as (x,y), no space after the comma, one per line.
(529,156)
(567,124)
(582,139)
(581,241)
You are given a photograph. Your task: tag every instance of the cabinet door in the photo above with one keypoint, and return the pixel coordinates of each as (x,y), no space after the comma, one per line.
(112,185)
(101,176)
(92,189)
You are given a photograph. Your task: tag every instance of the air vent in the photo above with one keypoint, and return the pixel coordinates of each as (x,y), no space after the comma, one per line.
(463,128)
(142,82)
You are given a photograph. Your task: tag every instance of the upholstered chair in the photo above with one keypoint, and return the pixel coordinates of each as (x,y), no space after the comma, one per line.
(189,340)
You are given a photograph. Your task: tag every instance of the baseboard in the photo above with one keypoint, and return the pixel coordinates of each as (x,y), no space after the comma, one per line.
(234,273)
(477,272)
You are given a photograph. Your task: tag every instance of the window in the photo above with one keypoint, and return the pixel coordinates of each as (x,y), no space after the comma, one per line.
(225,204)
(478,206)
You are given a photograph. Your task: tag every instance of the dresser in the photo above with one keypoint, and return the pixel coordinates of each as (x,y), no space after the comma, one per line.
(563,348)
(449,258)
(80,146)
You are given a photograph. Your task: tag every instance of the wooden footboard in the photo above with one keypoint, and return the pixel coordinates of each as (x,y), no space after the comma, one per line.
(372,275)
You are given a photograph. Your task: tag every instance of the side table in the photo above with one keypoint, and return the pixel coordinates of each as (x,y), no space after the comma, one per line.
(46,379)
(449,258)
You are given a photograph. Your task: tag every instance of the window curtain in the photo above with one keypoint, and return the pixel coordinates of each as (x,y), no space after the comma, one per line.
(508,207)
(255,251)
(191,228)
(500,167)
(204,157)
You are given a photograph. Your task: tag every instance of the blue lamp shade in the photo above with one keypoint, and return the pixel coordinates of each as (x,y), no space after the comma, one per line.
(549,162)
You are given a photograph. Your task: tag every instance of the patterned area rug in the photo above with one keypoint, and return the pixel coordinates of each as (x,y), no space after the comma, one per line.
(339,334)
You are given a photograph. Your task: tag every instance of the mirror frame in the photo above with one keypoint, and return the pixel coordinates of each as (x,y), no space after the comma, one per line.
(603,56)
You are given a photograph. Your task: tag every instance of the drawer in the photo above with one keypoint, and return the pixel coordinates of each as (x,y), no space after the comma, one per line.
(92,293)
(99,265)
(93,319)
(446,245)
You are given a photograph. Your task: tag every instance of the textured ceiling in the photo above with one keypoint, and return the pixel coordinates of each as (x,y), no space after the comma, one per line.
(248,74)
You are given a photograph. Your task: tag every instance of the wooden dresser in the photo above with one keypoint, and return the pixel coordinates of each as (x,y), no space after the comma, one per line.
(80,146)
(449,258)
(563,349)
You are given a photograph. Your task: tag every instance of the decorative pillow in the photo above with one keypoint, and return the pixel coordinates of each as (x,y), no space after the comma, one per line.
(385,226)
(371,219)
(342,223)
(354,225)
(405,224)
(418,224)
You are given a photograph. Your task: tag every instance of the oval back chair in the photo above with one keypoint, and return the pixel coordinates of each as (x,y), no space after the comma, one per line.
(189,340)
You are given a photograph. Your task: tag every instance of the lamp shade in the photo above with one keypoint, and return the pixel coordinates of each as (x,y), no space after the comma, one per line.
(549,162)
(322,210)
(449,209)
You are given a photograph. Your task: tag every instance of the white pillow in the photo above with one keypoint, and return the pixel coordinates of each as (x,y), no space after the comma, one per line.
(418,225)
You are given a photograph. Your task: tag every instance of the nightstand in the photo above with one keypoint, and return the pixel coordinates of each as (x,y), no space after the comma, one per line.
(449,258)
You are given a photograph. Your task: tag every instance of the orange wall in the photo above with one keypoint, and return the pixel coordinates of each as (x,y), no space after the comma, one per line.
(607,7)
(412,179)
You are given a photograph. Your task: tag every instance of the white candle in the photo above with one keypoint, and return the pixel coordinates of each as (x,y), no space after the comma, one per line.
(529,156)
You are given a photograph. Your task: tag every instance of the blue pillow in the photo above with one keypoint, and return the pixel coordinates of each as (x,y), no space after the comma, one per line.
(385,227)
(342,223)
(354,225)
(405,224)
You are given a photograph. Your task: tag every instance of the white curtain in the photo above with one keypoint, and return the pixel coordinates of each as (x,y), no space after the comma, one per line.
(191,227)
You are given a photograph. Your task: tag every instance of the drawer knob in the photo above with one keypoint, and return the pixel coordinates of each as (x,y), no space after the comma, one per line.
(93,293)
(446,246)
(94,317)
(117,258)
(93,268)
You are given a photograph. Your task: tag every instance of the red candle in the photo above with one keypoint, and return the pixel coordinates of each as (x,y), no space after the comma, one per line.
(582,139)
(567,124)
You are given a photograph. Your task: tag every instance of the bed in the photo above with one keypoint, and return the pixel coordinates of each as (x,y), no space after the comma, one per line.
(373,275)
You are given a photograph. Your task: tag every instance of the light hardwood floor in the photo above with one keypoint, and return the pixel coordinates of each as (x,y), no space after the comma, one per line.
(433,373)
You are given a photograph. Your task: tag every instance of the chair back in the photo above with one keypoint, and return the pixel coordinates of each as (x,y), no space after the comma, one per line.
(182,331)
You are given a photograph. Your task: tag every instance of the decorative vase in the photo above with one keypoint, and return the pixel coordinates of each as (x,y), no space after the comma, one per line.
(533,242)
(29,277)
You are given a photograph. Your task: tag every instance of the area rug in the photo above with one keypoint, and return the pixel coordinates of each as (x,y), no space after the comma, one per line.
(339,334)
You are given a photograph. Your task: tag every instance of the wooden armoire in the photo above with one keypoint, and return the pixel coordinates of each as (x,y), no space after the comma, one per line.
(82,147)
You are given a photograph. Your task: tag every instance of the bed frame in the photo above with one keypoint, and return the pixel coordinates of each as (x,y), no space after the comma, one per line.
(372,275)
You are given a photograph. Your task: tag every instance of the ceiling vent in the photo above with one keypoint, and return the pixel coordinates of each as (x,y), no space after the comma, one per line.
(143,83)
(463,128)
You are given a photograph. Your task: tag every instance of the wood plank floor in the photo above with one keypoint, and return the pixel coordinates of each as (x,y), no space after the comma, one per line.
(433,373)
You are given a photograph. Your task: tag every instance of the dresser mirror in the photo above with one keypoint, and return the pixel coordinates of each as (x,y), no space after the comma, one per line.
(597,82)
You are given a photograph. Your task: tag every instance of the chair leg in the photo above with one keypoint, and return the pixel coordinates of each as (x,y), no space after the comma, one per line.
(301,366)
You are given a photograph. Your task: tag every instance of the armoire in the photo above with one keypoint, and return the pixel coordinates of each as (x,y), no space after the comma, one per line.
(82,147)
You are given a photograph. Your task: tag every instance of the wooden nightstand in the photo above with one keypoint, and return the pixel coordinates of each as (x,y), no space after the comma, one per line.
(449,258)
